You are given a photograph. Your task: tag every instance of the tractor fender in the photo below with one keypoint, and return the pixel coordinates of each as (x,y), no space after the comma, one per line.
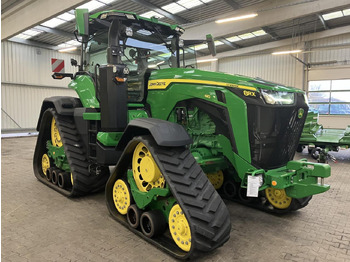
(64,105)
(165,133)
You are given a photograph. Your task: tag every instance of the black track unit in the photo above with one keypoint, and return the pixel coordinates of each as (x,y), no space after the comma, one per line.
(84,181)
(203,207)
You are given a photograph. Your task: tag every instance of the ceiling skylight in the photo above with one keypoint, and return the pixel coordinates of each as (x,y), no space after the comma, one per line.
(32,32)
(217,42)
(173,8)
(206,1)
(200,47)
(346,12)
(332,15)
(54,22)
(22,36)
(233,39)
(73,42)
(107,1)
(92,5)
(259,33)
(189,3)
(151,14)
(66,16)
(246,36)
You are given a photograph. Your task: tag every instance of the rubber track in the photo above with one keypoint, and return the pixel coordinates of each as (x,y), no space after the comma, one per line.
(205,211)
(84,182)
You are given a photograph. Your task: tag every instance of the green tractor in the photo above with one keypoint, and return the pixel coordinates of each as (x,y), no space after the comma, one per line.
(180,138)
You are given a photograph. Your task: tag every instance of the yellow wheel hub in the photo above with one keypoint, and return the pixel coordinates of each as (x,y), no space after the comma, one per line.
(45,163)
(179,228)
(278,198)
(55,134)
(145,170)
(217,179)
(121,196)
(71,179)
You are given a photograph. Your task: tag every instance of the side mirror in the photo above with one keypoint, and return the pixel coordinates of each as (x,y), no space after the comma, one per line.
(211,44)
(73,62)
(82,22)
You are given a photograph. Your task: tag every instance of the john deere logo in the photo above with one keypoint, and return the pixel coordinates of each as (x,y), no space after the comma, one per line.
(300,113)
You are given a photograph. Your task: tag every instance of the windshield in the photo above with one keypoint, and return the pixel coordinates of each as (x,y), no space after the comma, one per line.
(144,46)
(144,49)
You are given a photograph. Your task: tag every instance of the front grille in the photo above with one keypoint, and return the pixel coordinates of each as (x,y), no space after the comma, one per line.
(274,132)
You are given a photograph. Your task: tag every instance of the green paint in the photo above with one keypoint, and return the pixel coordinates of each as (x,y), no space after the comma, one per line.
(109,139)
(315,134)
(112,138)
(58,155)
(85,88)
(143,199)
(80,21)
(92,116)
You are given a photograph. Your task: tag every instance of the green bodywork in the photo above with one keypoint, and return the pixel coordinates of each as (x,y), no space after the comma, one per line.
(213,151)
(169,89)
(58,155)
(316,136)
(156,198)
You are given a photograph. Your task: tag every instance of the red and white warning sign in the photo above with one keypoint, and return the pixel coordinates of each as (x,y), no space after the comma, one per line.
(57,65)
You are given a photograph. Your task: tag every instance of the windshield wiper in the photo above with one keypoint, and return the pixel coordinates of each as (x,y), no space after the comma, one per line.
(158,35)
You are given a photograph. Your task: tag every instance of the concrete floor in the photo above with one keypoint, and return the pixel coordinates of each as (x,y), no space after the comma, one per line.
(39,224)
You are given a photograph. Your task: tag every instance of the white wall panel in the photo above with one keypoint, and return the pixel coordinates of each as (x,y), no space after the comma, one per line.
(335,52)
(23,103)
(204,66)
(23,64)
(280,69)
(26,80)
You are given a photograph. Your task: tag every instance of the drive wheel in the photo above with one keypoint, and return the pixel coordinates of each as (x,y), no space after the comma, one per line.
(121,196)
(55,134)
(145,170)
(278,198)
(179,228)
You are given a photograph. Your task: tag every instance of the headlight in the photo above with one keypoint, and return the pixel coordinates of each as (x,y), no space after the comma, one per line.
(278,98)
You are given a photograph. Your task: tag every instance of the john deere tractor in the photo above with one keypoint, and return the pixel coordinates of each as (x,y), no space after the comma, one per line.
(174,135)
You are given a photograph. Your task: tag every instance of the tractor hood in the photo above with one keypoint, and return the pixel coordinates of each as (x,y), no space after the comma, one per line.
(206,77)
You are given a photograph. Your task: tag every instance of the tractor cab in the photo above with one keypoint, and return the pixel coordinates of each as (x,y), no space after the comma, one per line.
(126,40)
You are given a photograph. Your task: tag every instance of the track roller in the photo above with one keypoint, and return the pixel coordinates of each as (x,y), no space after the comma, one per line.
(54,178)
(64,180)
(152,223)
(134,215)
(176,208)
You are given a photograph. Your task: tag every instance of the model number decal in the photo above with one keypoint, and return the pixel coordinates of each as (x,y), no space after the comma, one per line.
(249,93)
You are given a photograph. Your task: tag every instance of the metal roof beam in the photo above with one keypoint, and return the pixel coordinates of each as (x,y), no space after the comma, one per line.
(228,43)
(273,35)
(32,43)
(270,12)
(233,3)
(55,31)
(323,22)
(176,18)
(17,20)
(264,48)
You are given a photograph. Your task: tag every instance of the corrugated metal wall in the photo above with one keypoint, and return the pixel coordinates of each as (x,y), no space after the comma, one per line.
(339,50)
(280,69)
(26,80)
